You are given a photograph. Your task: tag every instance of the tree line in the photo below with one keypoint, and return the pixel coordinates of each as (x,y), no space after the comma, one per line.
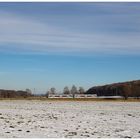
(67,91)
(124,89)
(28,93)
(15,94)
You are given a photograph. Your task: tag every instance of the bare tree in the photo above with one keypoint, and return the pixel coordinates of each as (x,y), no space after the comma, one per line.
(66,90)
(52,91)
(74,91)
(29,92)
(126,91)
(136,91)
(47,94)
(81,90)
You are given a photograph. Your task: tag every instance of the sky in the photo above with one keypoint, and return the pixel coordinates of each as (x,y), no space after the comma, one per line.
(44,45)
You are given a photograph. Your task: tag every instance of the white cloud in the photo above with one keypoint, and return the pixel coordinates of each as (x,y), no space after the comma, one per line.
(34,36)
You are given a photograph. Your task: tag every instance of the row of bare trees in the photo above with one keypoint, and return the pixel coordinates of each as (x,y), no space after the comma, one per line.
(67,91)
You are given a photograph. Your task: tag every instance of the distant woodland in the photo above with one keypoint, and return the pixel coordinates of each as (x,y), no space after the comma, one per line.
(125,89)
(15,94)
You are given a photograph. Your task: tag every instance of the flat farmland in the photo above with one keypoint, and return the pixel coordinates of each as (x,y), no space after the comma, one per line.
(79,119)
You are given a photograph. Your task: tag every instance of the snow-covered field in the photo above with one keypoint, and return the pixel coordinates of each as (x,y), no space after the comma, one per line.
(24,118)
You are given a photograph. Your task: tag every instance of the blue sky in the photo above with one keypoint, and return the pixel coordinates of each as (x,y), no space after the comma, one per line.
(61,44)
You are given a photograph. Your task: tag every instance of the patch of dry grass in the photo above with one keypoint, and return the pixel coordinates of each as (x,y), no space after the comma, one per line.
(75,99)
